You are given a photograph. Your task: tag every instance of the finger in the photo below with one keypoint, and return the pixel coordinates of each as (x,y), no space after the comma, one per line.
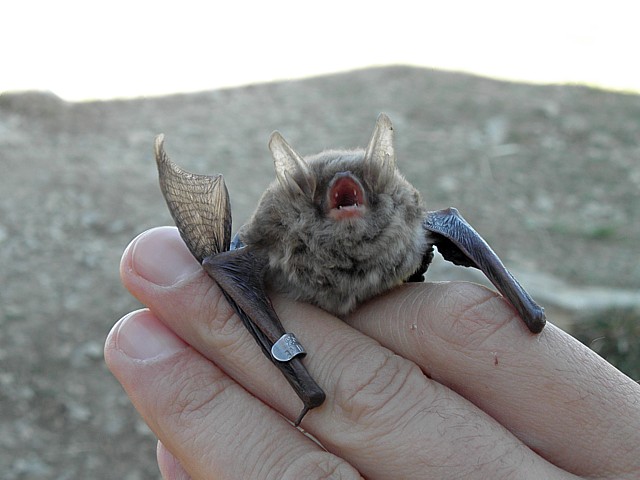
(391,421)
(551,391)
(382,413)
(158,270)
(212,426)
(169,466)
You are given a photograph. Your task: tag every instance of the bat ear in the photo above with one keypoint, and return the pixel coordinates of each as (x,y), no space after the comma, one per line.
(292,171)
(199,204)
(380,157)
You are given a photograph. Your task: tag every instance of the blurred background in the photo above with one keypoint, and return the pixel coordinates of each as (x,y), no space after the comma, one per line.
(525,116)
(128,49)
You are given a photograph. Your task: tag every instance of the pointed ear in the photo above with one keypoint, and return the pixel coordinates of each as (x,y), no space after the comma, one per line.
(380,157)
(199,204)
(292,171)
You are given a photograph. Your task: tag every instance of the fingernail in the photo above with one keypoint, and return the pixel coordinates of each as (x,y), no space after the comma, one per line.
(143,337)
(161,257)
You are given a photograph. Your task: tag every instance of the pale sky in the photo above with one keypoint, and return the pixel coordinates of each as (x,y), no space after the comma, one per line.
(100,50)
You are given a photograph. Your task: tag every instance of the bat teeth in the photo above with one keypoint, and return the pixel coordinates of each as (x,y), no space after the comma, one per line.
(356,205)
(346,197)
(346,191)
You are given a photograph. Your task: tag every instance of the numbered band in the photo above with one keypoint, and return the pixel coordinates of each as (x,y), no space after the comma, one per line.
(286,348)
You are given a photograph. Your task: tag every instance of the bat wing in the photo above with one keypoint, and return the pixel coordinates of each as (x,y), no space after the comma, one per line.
(460,244)
(240,274)
(199,205)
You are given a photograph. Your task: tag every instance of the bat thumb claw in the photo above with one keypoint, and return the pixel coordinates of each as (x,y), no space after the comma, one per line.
(301,416)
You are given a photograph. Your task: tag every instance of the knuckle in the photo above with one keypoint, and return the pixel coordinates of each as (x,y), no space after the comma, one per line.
(212,324)
(220,320)
(202,301)
(471,314)
(369,391)
(319,465)
(194,394)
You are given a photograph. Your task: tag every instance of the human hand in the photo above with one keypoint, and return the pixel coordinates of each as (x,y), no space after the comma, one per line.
(427,381)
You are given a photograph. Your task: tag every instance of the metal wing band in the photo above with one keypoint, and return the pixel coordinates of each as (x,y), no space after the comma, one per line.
(286,348)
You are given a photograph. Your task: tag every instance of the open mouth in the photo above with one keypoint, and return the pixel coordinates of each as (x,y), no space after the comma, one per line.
(346,198)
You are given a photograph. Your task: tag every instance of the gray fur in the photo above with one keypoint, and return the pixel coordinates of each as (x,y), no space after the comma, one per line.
(338,264)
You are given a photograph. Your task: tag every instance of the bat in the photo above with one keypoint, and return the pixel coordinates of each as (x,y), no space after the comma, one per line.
(334,229)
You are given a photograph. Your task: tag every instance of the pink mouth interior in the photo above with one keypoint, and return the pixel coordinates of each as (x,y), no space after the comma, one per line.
(346,198)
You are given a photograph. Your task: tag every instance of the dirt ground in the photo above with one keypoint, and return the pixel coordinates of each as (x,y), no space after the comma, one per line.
(550,175)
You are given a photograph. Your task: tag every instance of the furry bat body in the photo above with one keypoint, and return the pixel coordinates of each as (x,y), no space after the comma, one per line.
(349,237)
(334,230)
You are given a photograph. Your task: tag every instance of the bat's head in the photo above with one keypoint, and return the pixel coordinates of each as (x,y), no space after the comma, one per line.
(341,220)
